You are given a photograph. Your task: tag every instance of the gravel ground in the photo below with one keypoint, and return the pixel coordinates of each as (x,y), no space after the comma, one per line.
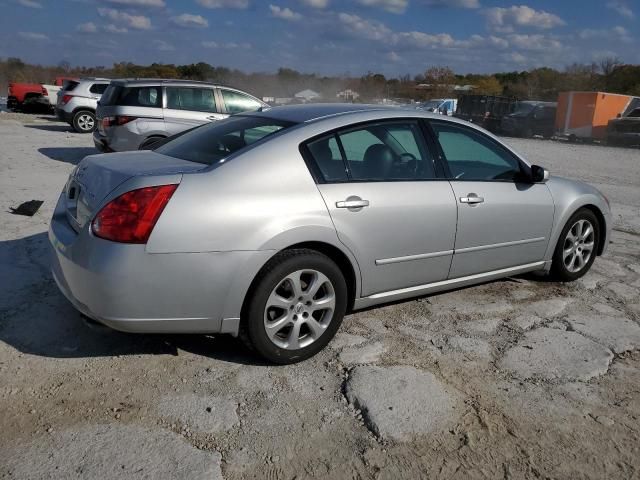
(520,378)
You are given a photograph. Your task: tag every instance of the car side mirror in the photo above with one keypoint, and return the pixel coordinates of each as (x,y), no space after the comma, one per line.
(539,174)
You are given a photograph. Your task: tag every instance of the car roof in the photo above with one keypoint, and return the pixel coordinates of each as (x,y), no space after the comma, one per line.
(315,111)
(160,81)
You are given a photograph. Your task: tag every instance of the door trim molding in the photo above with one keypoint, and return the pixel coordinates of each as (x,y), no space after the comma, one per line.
(409,292)
(500,245)
(408,258)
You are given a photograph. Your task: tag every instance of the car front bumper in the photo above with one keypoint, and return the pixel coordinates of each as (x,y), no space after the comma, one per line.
(126,288)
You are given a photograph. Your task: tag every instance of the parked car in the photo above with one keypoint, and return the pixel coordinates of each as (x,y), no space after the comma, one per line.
(272,225)
(485,110)
(625,130)
(530,118)
(33,96)
(78,100)
(444,106)
(136,114)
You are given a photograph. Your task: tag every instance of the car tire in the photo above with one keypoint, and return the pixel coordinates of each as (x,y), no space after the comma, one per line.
(149,143)
(579,238)
(295,306)
(84,121)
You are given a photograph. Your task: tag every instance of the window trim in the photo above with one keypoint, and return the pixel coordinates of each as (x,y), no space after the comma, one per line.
(336,132)
(525,170)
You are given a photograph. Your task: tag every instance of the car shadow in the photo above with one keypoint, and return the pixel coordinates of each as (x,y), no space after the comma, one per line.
(36,319)
(72,155)
(52,128)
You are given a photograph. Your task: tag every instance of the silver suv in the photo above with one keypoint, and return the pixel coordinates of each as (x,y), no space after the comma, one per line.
(78,100)
(136,114)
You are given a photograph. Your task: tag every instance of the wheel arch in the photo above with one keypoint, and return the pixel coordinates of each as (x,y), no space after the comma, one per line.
(602,225)
(346,265)
(78,109)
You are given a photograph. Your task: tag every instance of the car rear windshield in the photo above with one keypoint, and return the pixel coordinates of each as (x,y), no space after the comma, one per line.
(211,143)
(132,96)
(69,85)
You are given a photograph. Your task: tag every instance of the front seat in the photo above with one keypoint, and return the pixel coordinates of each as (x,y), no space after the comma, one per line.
(378,162)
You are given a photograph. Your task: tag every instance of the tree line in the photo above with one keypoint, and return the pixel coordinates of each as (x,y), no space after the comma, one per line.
(544,83)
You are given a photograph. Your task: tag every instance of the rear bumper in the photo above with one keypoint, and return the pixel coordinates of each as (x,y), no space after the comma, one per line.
(623,138)
(101,143)
(126,288)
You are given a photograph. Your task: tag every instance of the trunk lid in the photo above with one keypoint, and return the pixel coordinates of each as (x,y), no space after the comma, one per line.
(98,175)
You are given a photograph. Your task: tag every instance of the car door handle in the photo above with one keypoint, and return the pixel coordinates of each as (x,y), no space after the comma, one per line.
(471,198)
(212,118)
(352,204)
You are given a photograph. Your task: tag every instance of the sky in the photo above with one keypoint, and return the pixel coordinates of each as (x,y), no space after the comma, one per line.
(328,37)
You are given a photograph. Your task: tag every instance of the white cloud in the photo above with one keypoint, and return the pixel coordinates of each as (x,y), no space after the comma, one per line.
(504,19)
(30,3)
(452,3)
(111,28)
(617,33)
(393,6)
(284,13)
(535,42)
(229,45)
(393,57)
(621,7)
(163,46)
(139,22)
(239,4)
(362,28)
(33,36)
(139,3)
(88,27)
(187,20)
(316,3)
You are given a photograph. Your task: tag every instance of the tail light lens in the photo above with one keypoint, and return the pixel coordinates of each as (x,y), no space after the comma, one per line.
(117,120)
(45,93)
(65,99)
(130,218)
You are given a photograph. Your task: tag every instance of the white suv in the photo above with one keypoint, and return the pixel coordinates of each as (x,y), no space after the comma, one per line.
(78,101)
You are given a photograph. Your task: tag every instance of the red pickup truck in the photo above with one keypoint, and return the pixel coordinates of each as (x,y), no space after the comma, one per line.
(33,96)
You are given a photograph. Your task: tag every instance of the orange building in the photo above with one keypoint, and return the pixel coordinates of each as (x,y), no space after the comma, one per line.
(586,114)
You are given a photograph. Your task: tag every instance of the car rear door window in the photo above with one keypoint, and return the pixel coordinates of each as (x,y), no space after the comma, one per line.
(98,88)
(387,152)
(236,102)
(134,97)
(472,155)
(192,99)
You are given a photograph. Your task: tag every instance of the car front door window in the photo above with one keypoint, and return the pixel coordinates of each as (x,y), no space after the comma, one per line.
(472,155)
(236,102)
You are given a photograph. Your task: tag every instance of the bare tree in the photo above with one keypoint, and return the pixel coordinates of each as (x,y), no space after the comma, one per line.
(608,64)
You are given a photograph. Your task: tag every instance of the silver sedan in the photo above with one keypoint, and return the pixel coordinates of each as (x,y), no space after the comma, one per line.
(272,225)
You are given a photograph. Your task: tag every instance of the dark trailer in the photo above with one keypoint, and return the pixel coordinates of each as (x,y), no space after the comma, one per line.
(485,110)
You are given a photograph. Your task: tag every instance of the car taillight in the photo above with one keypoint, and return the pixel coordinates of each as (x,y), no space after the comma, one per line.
(44,92)
(117,120)
(130,218)
(65,99)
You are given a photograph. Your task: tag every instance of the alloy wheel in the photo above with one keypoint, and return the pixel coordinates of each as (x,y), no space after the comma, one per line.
(86,122)
(299,309)
(578,246)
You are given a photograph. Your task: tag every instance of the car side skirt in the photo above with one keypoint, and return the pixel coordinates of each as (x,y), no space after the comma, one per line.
(419,290)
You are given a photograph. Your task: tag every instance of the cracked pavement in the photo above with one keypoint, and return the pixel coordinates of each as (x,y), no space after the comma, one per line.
(519,378)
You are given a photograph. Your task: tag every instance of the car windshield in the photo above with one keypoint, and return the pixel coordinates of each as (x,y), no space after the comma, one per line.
(523,108)
(635,113)
(211,143)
